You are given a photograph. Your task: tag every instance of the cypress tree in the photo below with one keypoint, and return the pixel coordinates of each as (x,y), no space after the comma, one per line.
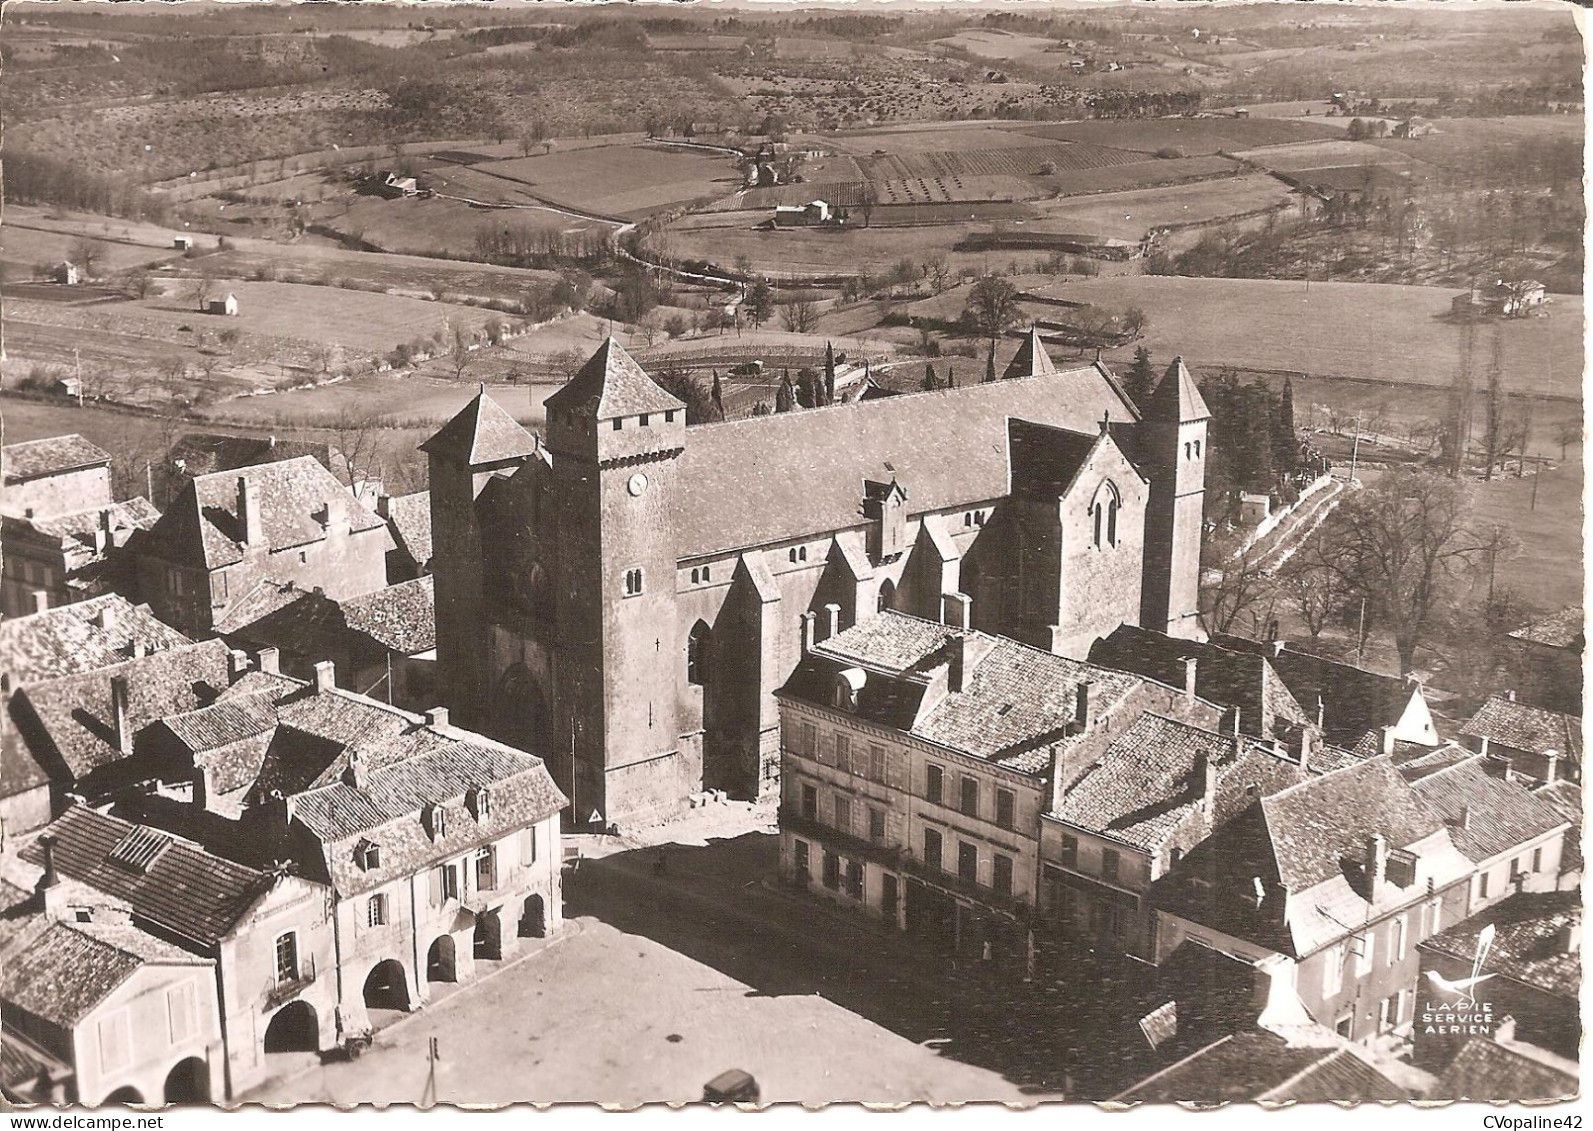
(1140,379)
(785,396)
(990,362)
(829,372)
(951,381)
(719,396)
(1285,443)
(930,384)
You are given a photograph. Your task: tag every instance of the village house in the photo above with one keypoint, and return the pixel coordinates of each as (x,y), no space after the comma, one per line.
(1533,963)
(266,933)
(230,531)
(1324,888)
(1350,703)
(1497,1072)
(1513,838)
(918,757)
(626,589)
(382,643)
(68,640)
(1257,1066)
(1414,129)
(54,476)
(69,557)
(227,304)
(195,454)
(409,521)
(1540,746)
(395,185)
(440,847)
(801,215)
(1502,298)
(67,273)
(182,243)
(96,1011)
(1551,660)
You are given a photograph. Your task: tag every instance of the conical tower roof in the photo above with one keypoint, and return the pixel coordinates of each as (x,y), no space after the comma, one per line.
(1031,360)
(1177,397)
(611,384)
(481,433)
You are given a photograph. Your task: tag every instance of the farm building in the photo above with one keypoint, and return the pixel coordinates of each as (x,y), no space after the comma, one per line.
(802,215)
(1505,298)
(67,273)
(1414,128)
(68,387)
(183,243)
(227,305)
(395,185)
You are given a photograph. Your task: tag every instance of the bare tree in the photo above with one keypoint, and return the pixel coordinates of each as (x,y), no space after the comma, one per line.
(1312,587)
(87,254)
(799,315)
(172,378)
(139,284)
(460,355)
(200,290)
(357,439)
(938,272)
(1566,434)
(1234,593)
(992,307)
(1404,543)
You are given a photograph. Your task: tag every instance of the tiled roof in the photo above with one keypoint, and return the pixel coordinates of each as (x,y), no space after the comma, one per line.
(1354,700)
(34,459)
(1416,762)
(75,715)
(1015,706)
(409,518)
(267,597)
(481,433)
(401,618)
(1229,678)
(203,526)
(76,530)
(1527,942)
(1046,460)
(1148,785)
(1564,629)
(1257,1065)
(1522,727)
(1498,815)
(23,1064)
(611,384)
(1315,825)
(186,890)
(75,638)
(767,478)
(1486,1070)
(1177,397)
(228,720)
(201,453)
(70,969)
(1031,360)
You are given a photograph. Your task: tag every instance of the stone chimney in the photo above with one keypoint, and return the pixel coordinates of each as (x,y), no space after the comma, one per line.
(1568,939)
(41,601)
(1321,712)
(956,610)
(325,677)
(1388,740)
(1376,861)
(832,620)
(1305,745)
(1085,705)
(1190,665)
(1206,782)
(809,623)
(336,513)
(1463,819)
(237,664)
(384,506)
(249,512)
(121,724)
(437,717)
(1551,766)
(961,668)
(51,877)
(140,649)
(358,773)
(270,660)
(105,616)
(1511,695)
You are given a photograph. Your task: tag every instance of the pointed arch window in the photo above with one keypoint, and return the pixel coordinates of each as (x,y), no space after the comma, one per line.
(697,654)
(887,595)
(1103,512)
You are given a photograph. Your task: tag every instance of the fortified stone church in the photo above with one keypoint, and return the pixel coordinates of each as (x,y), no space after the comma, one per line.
(625,598)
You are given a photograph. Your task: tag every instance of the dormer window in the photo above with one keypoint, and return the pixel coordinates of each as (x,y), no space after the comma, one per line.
(479,800)
(847,686)
(1401,869)
(368,856)
(435,820)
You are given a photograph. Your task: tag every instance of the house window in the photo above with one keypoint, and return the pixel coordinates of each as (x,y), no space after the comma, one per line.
(932,848)
(619,423)
(791,554)
(970,796)
(1005,806)
(116,1045)
(1515,869)
(180,1012)
(1537,859)
(807,740)
(669,416)
(486,869)
(1070,851)
(376,910)
(934,783)
(369,856)
(696,575)
(802,553)
(644,420)
(1345,1025)
(876,824)
(967,518)
(1388,1013)
(1364,946)
(1396,940)
(1332,970)
(800,858)
(1002,876)
(876,763)
(810,803)
(707,573)
(968,861)
(633,582)
(288,957)
(528,846)
(1435,915)
(843,753)
(444,884)
(832,871)
(1197,447)
(843,814)
(1109,864)
(1482,886)
(697,654)
(854,879)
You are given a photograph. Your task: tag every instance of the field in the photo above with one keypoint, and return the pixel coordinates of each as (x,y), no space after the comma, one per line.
(448,227)
(631,181)
(24,248)
(1139,174)
(1130,215)
(1303,156)
(1190,136)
